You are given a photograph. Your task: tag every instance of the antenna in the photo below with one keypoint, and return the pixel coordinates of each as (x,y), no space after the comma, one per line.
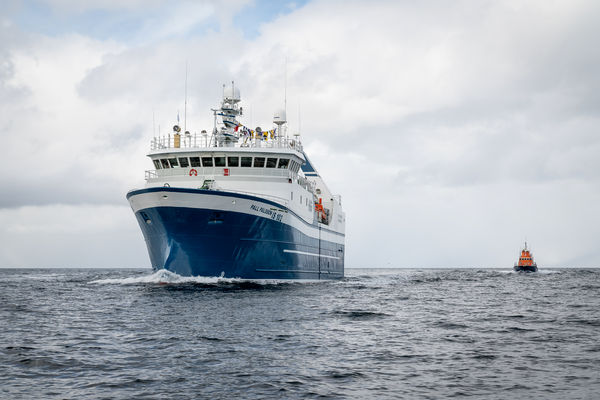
(285,86)
(299,119)
(153,125)
(185,102)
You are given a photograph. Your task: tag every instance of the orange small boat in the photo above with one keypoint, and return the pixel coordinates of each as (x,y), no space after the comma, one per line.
(526,262)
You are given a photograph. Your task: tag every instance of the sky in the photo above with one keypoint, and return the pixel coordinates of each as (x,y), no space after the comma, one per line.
(453,130)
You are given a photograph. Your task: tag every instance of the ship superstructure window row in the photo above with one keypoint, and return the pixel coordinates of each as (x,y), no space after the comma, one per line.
(259,162)
(245,162)
(183,162)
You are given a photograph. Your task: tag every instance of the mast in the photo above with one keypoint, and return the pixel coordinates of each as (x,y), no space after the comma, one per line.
(285,87)
(185,102)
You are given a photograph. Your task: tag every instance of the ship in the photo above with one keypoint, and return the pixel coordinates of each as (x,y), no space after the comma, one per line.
(239,202)
(526,262)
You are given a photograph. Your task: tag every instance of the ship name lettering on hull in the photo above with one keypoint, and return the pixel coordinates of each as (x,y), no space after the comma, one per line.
(272,214)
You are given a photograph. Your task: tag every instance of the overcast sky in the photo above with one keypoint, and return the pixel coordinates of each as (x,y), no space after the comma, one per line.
(453,130)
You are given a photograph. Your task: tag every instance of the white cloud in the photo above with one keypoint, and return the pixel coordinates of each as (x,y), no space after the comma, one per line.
(452,130)
(71,236)
(58,141)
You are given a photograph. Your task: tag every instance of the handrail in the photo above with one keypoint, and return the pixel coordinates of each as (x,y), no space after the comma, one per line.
(211,172)
(282,200)
(218,171)
(205,141)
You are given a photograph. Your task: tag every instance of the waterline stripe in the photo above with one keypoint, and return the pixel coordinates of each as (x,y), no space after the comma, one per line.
(309,254)
(298,270)
(305,271)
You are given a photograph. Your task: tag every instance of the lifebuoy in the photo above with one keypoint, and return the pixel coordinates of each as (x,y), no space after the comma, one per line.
(193,172)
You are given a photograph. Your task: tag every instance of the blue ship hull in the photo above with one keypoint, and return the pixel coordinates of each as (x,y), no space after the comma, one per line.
(209,242)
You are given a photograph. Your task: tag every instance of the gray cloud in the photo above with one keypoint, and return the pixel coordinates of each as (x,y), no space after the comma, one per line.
(439,123)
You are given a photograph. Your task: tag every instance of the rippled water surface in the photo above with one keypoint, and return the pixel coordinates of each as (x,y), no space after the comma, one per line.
(421,334)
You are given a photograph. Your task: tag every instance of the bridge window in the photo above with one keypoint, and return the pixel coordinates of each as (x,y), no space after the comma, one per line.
(271,162)
(183,162)
(173,162)
(259,162)
(283,163)
(195,162)
(219,161)
(207,162)
(165,163)
(156,164)
(233,161)
(246,161)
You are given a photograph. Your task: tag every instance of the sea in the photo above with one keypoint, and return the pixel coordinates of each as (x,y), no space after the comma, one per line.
(377,334)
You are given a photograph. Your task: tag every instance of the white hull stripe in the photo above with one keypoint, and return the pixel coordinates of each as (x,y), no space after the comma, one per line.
(175,191)
(256,207)
(309,254)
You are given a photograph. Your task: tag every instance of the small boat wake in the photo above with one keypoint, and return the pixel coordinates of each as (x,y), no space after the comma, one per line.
(538,272)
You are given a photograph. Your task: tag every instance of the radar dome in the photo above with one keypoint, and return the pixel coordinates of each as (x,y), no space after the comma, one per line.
(231,93)
(279,117)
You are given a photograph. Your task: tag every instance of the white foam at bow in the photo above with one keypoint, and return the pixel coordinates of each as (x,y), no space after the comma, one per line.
(164,276)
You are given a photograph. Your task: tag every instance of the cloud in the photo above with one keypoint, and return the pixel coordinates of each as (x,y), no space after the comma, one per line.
(59,143)
(439,123)
(79,236)
(136,22)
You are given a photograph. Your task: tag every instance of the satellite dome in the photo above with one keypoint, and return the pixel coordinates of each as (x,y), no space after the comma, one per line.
(231,93)
(279,117)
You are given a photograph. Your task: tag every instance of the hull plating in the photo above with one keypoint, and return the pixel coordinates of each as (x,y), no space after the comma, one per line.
(525,268)
(213,242)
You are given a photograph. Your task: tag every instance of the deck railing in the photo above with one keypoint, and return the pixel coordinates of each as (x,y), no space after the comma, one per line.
(154,175)
(218,171)
(202,140)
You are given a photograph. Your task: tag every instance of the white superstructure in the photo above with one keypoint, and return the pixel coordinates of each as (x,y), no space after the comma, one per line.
(235,158)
